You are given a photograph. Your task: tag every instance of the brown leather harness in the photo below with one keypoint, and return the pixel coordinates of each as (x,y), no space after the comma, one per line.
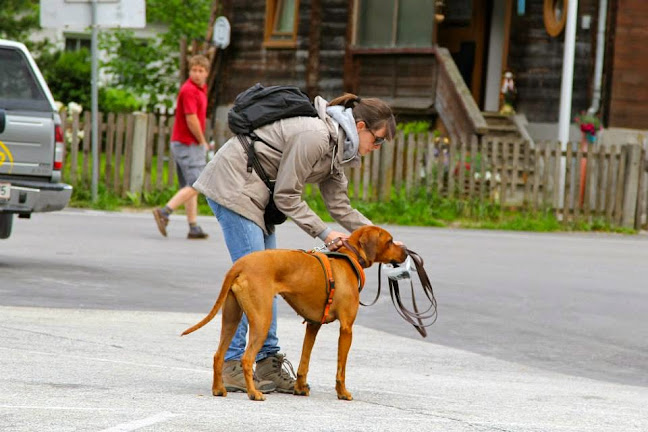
(324,260)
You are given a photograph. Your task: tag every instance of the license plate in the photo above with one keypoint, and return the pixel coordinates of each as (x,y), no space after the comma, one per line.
(5,191)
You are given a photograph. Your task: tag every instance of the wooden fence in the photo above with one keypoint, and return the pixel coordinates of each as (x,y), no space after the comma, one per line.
(604,183)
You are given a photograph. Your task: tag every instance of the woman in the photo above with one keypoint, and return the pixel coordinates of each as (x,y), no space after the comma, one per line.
(299,150)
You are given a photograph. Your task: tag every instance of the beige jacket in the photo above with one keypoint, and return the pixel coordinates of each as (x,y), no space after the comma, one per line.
(309,151)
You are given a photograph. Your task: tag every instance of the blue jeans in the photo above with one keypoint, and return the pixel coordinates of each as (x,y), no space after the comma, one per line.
(242,237)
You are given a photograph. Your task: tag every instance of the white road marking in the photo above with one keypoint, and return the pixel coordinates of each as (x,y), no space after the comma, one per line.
(137,424)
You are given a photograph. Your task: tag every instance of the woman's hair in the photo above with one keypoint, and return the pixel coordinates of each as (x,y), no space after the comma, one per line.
(373,111)
(199,60)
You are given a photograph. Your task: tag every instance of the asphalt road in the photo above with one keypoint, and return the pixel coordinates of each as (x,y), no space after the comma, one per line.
(569,303)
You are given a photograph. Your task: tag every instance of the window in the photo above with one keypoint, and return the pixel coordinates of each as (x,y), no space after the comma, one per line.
(281,23)
(394,23)
(77,42)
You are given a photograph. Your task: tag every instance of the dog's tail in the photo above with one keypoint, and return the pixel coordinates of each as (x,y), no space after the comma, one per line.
(227,285)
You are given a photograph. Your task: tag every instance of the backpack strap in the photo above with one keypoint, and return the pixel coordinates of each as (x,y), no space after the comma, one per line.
(254,162)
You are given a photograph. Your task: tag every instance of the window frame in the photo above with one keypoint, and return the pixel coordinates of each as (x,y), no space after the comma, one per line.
(78,39)
(271,17)
(393,48)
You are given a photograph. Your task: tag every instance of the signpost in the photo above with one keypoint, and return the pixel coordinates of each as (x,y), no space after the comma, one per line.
(79,15)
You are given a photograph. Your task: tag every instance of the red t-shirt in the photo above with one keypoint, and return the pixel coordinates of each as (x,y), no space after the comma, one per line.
(191,100)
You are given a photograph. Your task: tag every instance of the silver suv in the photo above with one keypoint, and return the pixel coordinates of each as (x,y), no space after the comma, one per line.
(31,140)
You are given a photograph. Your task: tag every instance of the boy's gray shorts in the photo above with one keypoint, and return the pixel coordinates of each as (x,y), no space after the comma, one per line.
(190,161)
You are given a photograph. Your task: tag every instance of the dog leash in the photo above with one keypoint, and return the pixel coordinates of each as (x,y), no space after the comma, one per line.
(414,317)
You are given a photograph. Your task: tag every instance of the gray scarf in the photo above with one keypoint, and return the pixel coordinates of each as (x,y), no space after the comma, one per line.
(344,117)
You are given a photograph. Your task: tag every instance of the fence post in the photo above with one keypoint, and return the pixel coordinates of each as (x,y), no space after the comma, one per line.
(631,185)
(139,153)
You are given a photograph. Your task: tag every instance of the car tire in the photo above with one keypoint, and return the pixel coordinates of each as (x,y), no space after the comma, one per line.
(6,221)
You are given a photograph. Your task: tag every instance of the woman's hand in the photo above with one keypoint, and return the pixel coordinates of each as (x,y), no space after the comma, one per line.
(332,236)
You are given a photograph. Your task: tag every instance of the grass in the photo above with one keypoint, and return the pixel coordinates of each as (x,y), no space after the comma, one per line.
(420,209)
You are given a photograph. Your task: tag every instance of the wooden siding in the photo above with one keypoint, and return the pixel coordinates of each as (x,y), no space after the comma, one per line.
(536,60)
(629,101)
(407,81)
(249,62)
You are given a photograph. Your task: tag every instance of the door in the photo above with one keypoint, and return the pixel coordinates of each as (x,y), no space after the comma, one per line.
(27,133)
(463,32)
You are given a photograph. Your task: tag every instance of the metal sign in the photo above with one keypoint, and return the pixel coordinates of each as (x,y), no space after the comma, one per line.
(77,15)
(222,32)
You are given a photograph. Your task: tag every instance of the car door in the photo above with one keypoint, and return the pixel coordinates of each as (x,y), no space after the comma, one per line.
(27,116)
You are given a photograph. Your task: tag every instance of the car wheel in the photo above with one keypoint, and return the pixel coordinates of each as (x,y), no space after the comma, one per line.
(6,221)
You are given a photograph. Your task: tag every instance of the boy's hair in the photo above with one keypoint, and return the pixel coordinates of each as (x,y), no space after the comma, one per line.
(199,60)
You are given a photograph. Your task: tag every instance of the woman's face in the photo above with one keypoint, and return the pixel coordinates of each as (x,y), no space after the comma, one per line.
(369,140)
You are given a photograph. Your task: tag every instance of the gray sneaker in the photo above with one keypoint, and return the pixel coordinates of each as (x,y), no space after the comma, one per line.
(161,220)
(279,370)
(234,381)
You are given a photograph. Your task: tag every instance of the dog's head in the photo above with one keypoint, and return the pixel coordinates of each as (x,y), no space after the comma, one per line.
(375,244)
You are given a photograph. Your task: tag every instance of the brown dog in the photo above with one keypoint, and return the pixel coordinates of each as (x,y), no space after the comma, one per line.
(254,280)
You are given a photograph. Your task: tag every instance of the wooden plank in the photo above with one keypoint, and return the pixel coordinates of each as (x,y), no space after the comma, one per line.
(461,167)
(148,160)
(128,152)
(429,161)
(366,172)
(557,154)
(516,167)
(599,203)
(641,191)
(546,175)
(172,165)
(630,185)
(505,176)
(110,140)
(526,174)
(119,142)
(386,172)
(440,147)
(536,174)
(610,190)
(473,167)
(451,162)
(577,182)
(409,173)
(481,145)
(589,180)
(74,148)
(419,170)
(161,141)
(618,202)
(85,157)
(400,147)
(375,174)
(568,196)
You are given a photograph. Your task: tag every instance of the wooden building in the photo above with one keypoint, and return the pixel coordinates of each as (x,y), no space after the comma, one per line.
(442,59)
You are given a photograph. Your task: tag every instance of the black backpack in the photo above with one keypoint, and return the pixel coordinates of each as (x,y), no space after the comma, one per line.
(259,106)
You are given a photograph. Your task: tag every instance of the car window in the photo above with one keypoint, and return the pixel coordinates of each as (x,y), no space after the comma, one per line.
(19,89)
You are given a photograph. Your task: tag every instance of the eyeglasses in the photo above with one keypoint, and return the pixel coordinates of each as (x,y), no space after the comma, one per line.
(378,141)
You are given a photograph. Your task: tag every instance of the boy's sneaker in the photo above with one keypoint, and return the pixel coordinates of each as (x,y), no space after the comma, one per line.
(279,370)
(234,380)
(161,219)
(196,232)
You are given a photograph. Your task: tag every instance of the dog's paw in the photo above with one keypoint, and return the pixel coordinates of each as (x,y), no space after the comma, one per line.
(256,396)
(221,392)
(302,392)
(345,396)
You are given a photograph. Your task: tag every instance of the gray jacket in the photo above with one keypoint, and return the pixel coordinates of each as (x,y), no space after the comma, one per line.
(309,150)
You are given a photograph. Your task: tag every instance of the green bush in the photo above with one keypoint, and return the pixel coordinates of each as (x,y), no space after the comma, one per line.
(117,100)
(68,74)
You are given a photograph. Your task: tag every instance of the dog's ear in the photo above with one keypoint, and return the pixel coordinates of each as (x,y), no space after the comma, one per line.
(368,245)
